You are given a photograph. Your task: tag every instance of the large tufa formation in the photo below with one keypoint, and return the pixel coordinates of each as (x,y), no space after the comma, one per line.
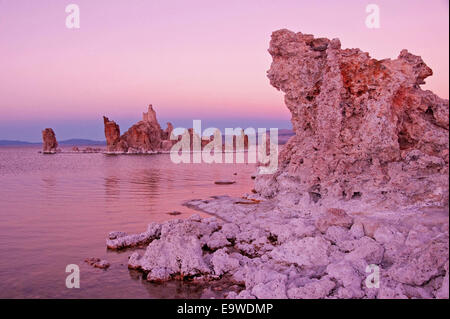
(146,136)
(365,130)
(49,143)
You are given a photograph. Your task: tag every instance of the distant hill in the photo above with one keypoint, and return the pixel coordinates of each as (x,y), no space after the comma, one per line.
(70,142)
(79,141)
(283,136)
(15,143)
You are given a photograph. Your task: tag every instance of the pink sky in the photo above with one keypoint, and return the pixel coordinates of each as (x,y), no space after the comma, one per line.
(190,59)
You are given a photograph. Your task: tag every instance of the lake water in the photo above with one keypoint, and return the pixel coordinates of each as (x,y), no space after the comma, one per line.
(57,210)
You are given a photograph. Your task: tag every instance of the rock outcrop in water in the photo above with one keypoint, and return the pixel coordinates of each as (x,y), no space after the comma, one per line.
(49,143)
(146,136)
(365,130)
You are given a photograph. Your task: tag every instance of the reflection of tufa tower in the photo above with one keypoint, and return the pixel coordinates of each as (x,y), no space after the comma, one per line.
(150,116)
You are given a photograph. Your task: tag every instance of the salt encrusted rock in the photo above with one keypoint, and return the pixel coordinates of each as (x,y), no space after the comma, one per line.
(230,230)
(116,234)
(366,249)
(419,235)
(244,294)
(348,278)
(357,230)
(270,265)
(442,293)
(49,143)
(337,234)
(420,264)
(172,255)
(317,289)
(216,240)
(366,133)
(223,263)
(334,217)
(275,289)
(98,263)
(307,252)
(120,240)
(298,229)
(388,235)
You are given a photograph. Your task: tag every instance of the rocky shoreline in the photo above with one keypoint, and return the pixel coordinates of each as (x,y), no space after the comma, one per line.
(270,250)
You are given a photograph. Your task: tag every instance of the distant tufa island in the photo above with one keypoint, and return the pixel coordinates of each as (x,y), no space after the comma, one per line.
(146,136)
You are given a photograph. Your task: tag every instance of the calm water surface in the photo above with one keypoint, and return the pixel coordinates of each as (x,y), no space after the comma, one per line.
(57,210)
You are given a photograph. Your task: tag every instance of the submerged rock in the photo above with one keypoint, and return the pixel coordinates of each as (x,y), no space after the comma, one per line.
(98,263)
(224,182)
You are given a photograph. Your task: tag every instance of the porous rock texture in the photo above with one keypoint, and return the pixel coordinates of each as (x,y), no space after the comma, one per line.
(49,143)
(272,251)
(365,132)
(146,136)
(361,191)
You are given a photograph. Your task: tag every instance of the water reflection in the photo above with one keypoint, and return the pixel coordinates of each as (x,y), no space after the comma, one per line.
(58,210)
(112,189)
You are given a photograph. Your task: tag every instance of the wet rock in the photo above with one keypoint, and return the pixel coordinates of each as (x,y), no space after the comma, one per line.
(224,182)
(98,263)
(116,234)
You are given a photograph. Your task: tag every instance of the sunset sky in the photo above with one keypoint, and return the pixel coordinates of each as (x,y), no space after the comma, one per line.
(191,59)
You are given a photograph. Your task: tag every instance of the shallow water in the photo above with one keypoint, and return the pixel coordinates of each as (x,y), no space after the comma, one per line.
(57,210)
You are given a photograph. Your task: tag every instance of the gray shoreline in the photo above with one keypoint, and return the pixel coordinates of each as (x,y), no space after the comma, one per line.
(270,250)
